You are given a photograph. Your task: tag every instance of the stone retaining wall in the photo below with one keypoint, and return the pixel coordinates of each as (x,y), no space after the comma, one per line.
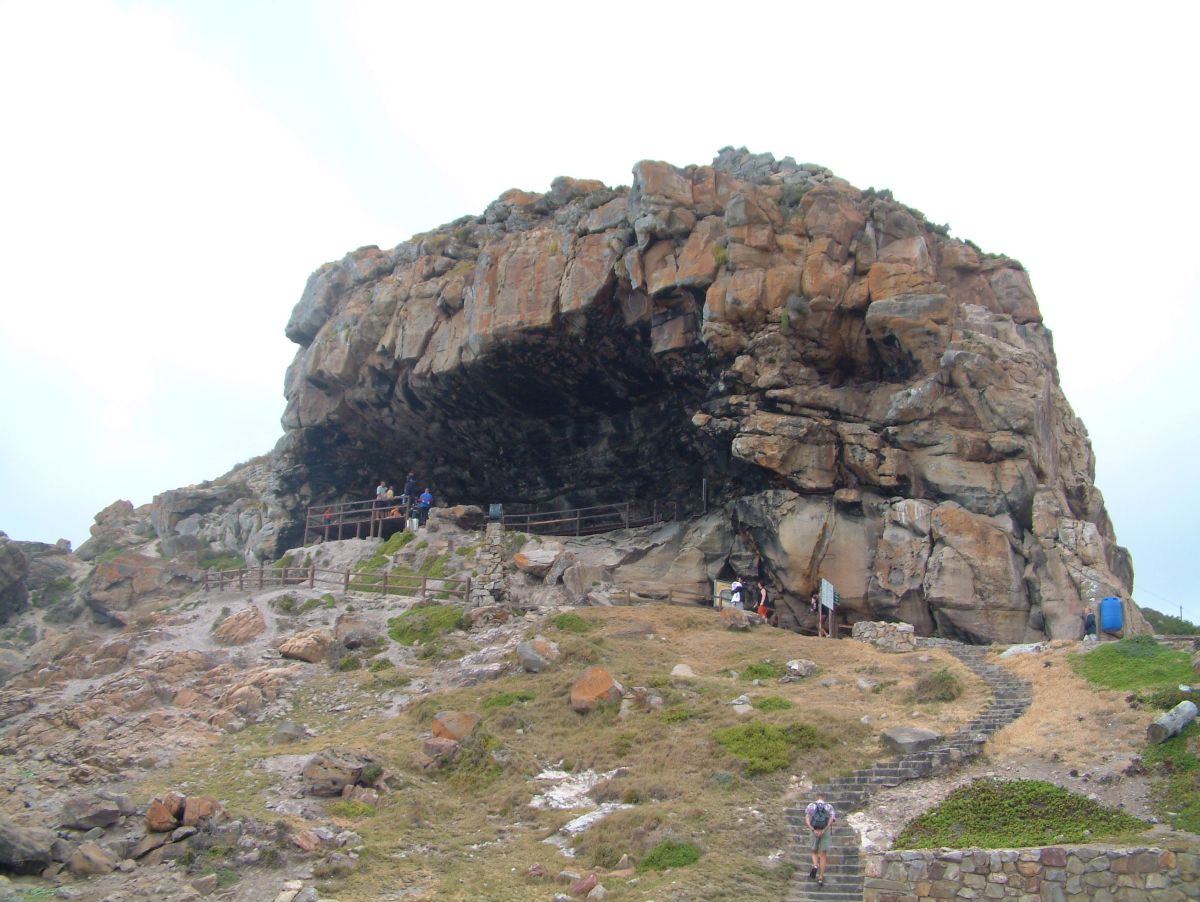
(893,637)
(1051,874)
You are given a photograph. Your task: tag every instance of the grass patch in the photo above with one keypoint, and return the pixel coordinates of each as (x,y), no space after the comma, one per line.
(763,670)
(772,703)
(426,624)
(505,699)
(52,592)
(1138,662)
(350,662)
(571,623)
(381,664)
(939,686)
(351,810)
(670,853)
(680,715)
(996,814)
(766,747)
(222,562)
(1177,787)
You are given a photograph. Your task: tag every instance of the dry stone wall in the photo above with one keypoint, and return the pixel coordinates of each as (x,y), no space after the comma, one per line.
(1050,874)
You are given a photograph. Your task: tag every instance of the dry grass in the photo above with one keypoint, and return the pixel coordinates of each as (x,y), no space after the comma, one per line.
(455,835)
(1094,728)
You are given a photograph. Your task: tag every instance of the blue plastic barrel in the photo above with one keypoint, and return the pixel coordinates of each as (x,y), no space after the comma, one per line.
(1112,615)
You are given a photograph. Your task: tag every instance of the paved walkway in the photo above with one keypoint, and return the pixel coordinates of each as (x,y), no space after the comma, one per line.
(844,875)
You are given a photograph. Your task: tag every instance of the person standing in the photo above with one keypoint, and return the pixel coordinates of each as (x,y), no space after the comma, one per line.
(424,503)
(766,607)
(410,489)
(1089,625)
(820,817)
(737,595)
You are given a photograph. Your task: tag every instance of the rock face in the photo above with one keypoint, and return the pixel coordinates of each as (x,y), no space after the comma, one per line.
(872,401)
(13,570)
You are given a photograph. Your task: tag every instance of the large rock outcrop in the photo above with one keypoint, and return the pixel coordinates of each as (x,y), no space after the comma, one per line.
(876,401)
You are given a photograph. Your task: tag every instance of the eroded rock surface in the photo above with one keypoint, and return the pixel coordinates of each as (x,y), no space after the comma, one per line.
(876,400)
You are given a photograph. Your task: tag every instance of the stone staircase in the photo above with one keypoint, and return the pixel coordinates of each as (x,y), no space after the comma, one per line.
(844,874)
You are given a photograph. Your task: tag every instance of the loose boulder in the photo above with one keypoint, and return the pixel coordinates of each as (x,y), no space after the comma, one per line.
(310,645)
(537,654)
(91,858)
(455,725)
(86,812)
(200,808)
(330,771)
(24,850)
(909,739)
(593,687)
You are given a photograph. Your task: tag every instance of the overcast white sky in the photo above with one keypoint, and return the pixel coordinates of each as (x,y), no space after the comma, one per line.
(171,172)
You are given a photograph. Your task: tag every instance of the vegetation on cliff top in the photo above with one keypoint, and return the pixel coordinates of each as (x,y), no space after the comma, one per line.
(1138,662)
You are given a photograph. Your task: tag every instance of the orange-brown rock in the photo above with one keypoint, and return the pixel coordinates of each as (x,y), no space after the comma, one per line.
(241,627)
(825,355)
(593,687)
(160,818)
(310,645)
(199,808)
(456,725)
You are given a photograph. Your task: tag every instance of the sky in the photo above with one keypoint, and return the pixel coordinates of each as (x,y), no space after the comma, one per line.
(171,172)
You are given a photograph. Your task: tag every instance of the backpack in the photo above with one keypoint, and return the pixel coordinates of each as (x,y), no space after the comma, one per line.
(820,816)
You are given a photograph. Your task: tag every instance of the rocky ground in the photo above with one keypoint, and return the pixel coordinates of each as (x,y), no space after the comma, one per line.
(222,701)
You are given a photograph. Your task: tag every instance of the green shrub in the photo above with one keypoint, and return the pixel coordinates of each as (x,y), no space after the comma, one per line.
(939,686)
(720,255)
(1176,769)
(994,814)
(505,699)
(425,624)
(763,670)
(1138,662)
(222,562)
(328,601)
(765,747)
(1164,699)
(670,854)
(381,664)
(771,703)
(285,603)
(680,715)
(350,662)
(571,623)
(350,809)
(52,592)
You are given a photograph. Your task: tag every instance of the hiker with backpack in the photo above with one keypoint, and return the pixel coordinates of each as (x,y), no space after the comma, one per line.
(820,817)
(737,595)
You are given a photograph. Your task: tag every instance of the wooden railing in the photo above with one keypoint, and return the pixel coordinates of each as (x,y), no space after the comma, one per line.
(670,595)
(353,519)
(384,583)
(585,521)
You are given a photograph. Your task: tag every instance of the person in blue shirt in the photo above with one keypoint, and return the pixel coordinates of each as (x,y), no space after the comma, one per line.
(423,504)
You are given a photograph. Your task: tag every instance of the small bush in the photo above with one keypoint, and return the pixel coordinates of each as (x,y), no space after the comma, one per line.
(286,603)
(351,809)
(765,747)
(571,623)
(1164,699)
(350,662)
(995,814)
(425,624)
(505,699)
(328,601)
(381,664)
(764,670)
(680,715)
(391,679)
(670,854)
(939,686)
(772,703)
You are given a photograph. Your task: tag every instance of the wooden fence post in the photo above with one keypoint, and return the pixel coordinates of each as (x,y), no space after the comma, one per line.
(346,581)
(260,575)
(384,590)
(467,592)
(312,575)
(240,583)
(424,585)
(626,514)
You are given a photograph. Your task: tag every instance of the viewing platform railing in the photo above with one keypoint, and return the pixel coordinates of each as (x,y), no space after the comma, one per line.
(384,583)
(585,521)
